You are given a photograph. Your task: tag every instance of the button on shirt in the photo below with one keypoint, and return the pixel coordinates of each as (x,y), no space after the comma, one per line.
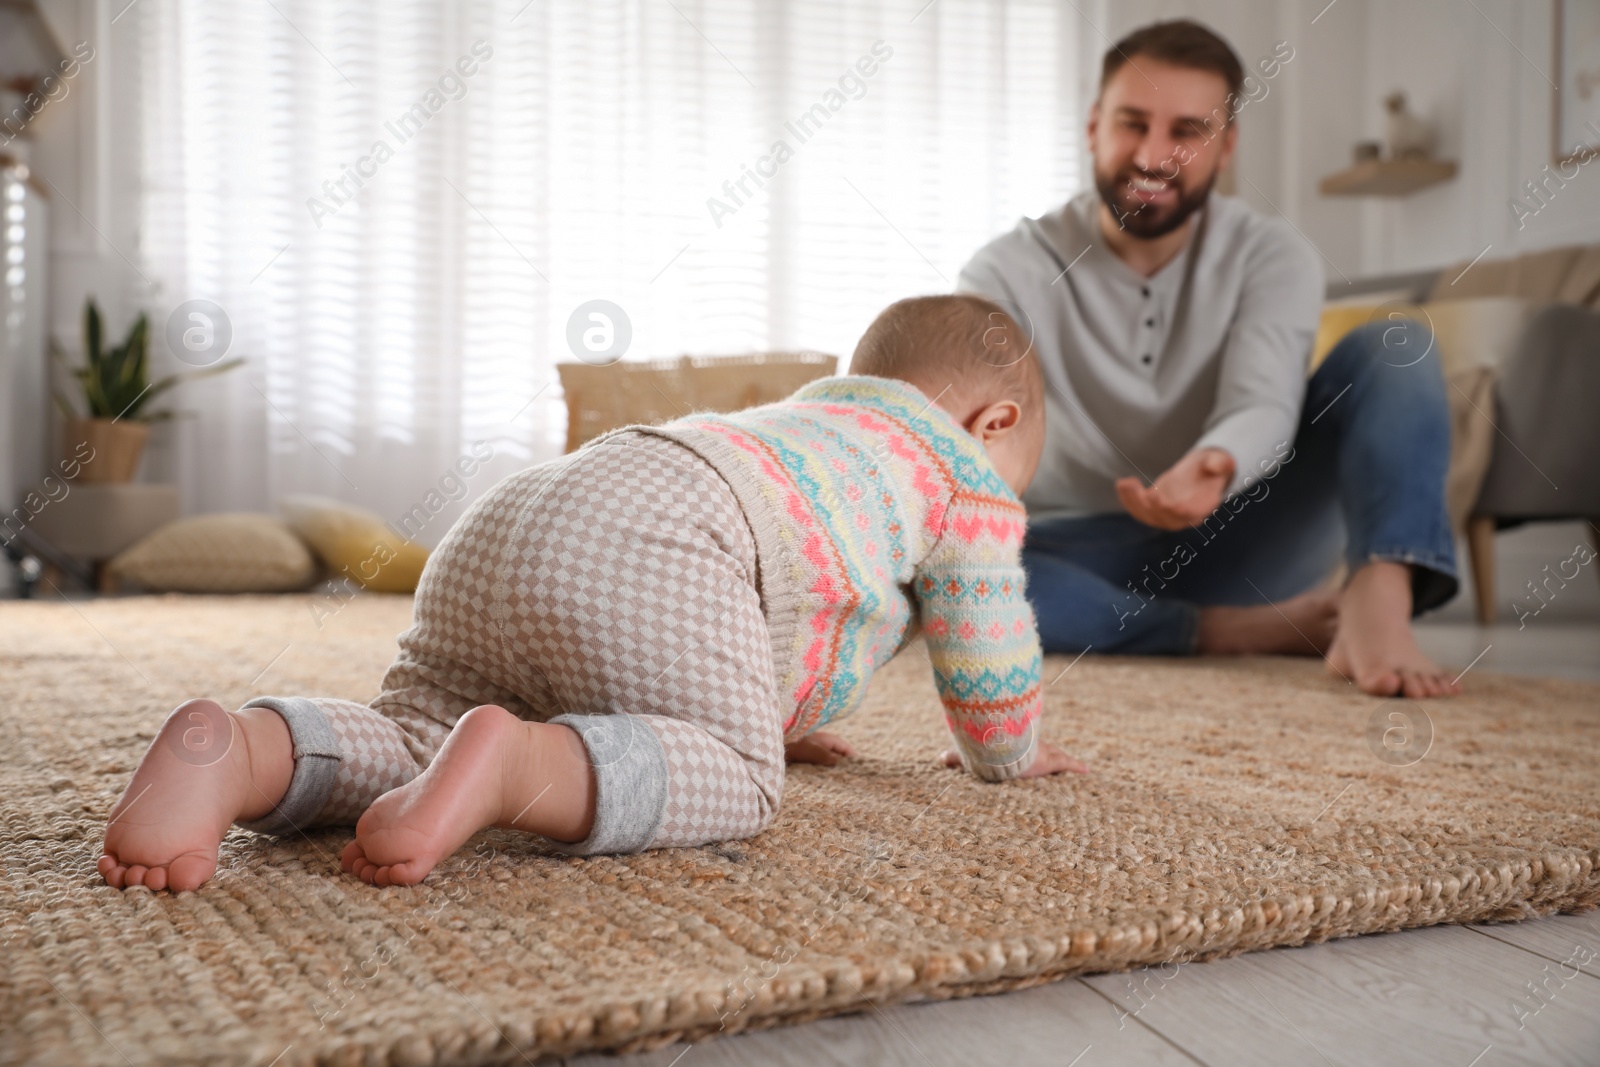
(1210,351)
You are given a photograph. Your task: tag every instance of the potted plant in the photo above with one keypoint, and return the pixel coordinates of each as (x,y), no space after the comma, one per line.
(117,392)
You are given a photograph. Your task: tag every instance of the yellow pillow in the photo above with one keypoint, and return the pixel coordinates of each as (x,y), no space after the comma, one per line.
(1468,332)
(1339,319)
(355,543)
(219,554)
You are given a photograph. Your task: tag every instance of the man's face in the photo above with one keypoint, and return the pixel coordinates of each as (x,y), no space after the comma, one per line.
(1159,134)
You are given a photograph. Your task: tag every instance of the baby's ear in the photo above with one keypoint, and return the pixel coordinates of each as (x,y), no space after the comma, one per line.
(995,419)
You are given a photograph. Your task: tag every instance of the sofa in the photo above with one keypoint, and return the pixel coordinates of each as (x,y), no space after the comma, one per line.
(1519,344)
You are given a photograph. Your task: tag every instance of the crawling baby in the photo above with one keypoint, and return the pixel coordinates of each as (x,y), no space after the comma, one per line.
(613,650)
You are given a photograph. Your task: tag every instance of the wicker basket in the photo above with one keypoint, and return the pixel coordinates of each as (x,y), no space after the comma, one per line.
(626,394)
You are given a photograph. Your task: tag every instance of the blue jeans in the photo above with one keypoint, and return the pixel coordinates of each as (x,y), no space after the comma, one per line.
(1366,476)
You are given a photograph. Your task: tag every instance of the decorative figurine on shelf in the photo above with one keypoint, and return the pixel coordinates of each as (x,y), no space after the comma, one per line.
(1409,136)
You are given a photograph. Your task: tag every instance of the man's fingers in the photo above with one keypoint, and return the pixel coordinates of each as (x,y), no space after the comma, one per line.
(1138,500)
(1151,507)
(1130,492)
(1164,516)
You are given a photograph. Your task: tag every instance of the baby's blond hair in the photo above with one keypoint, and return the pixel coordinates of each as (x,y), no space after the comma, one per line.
(958,344)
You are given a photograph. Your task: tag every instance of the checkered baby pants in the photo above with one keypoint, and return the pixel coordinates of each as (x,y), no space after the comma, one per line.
(613,591)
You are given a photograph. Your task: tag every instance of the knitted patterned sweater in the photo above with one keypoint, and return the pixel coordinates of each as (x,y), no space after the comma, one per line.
(872,511)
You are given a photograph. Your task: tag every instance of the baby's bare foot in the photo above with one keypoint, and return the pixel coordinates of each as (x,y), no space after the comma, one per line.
(408,830)
(1300,626)
(192,783)
(493,770)
(1375,647)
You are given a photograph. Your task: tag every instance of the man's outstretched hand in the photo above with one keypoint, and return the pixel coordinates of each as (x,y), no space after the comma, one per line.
(1184,495)
(1047,759)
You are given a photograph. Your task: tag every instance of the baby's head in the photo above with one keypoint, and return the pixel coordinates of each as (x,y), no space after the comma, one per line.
(974,361)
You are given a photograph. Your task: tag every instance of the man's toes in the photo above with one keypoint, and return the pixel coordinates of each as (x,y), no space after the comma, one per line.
(1414,686)
(1383,683)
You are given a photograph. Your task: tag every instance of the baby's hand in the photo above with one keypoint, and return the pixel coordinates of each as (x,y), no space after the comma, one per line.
(821,748)
(1047,759)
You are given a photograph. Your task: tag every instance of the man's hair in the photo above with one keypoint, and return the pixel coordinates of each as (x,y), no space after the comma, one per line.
(964,343)
(1179,43)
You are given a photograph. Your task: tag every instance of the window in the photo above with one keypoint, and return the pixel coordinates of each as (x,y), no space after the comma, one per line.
(400,205)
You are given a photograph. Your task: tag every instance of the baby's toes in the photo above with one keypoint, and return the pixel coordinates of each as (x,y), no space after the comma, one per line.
(188,872)
(112,871)
(407,873)
(135,874)
(155,879)
(351,857)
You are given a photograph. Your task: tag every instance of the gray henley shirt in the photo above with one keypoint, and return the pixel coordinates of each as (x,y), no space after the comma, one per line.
(1211,351)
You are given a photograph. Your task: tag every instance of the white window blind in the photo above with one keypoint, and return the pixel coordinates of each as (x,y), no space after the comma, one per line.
(619,150)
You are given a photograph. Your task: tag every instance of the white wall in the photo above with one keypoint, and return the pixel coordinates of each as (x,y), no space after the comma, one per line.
(1486,86)
(86,145)
(81,149)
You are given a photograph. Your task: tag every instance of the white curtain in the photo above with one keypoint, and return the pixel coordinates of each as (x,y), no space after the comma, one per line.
(399,243)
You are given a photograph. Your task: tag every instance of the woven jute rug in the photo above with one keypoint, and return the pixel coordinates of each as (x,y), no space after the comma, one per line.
(1234,805)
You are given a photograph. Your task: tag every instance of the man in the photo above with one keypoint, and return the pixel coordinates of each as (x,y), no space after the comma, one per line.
(1196,488)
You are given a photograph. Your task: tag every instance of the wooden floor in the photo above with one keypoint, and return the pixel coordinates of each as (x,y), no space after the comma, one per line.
(1453,996)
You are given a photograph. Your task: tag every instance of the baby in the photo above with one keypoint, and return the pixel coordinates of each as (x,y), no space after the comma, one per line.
(613,649)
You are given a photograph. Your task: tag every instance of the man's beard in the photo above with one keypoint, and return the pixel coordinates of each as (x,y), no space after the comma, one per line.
(1143,220)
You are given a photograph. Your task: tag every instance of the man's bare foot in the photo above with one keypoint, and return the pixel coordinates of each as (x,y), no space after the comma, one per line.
(1300,626)
(493,770)
(197,777)
(1375,648)
(820,747)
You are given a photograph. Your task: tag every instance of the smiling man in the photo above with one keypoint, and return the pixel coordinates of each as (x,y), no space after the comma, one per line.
(1197,488)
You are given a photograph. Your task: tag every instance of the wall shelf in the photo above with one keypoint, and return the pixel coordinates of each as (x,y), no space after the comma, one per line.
(1388,177)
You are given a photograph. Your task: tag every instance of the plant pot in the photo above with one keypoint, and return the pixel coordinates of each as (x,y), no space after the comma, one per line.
(116,447)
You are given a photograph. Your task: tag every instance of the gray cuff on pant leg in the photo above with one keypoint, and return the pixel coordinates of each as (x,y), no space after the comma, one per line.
(316,762)
(630,773)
